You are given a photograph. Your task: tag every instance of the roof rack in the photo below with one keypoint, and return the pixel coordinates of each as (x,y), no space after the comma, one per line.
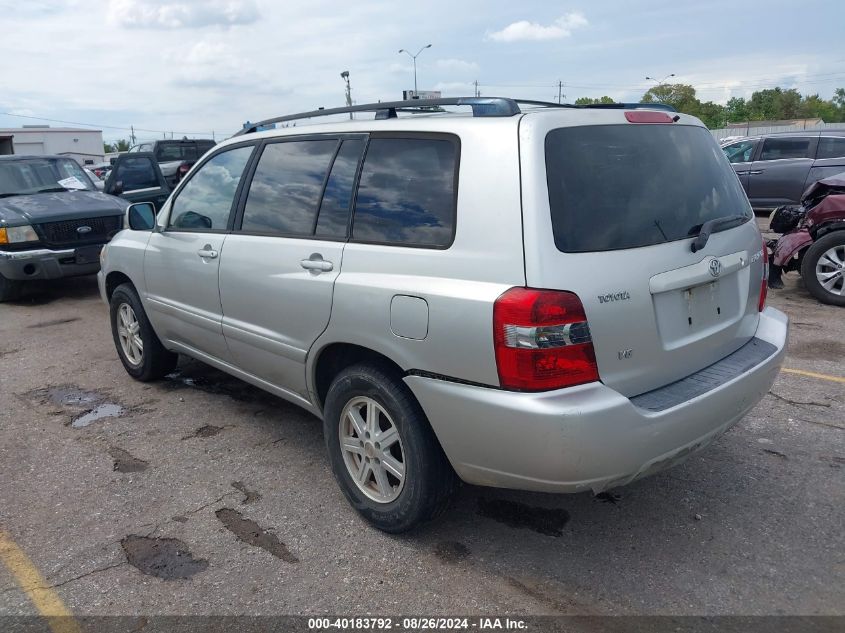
(481,107)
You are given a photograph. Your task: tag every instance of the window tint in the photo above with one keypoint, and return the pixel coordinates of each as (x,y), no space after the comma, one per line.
(407,192)
(285,190)
(624,186)
(136,173)
(334,210)
(777,148)
(831,147)
(206,199)
(739,152)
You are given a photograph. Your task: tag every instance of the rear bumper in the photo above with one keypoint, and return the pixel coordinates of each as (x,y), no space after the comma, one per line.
(43,263)
(588,437)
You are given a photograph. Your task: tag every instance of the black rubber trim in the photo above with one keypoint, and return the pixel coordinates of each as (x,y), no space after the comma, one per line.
(745,358)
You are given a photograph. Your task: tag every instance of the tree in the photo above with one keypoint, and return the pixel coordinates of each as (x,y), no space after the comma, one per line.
(591,101)
(736,110)
(679,96)
(118,146)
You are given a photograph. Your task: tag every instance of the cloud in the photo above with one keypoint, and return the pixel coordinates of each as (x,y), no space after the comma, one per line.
(531,31)
(456,65)
(163,14)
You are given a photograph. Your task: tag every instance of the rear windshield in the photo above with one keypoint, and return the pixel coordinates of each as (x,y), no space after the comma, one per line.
(625,186)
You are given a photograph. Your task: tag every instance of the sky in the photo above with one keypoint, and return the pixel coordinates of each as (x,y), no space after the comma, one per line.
(197,67)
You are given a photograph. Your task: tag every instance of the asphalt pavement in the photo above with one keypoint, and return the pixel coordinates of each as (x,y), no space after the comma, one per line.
(200,494)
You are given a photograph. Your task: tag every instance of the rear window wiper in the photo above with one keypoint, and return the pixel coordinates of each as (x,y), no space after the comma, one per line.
(714,226)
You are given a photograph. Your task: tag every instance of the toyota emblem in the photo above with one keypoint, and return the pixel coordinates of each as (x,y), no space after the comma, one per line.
(715,267)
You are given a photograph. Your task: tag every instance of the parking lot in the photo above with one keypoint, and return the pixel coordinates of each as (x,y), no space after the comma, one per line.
(200,494)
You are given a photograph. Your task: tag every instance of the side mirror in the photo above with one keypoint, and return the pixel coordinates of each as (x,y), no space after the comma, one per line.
(141,216)
(117,189)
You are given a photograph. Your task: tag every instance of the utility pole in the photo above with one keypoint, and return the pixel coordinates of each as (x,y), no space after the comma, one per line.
(132,134)
(477,94)
(560,94)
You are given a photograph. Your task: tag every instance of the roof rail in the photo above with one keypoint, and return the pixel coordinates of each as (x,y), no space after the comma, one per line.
(481,107)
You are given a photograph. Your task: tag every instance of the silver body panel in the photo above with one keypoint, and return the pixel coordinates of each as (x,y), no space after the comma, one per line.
(258,312)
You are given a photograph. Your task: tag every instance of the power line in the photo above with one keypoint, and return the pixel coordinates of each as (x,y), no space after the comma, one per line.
(105,127)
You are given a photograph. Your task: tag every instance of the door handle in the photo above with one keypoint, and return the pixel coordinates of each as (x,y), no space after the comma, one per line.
(206,252)
(316,263)
(756,171)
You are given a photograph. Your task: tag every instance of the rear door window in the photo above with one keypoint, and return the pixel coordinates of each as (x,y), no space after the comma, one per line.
(285,191)
(408,192)
(831,147)
(780,148)
(334,209)
(625,186)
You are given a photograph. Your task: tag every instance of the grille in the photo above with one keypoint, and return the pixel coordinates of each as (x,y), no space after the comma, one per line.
(65,233)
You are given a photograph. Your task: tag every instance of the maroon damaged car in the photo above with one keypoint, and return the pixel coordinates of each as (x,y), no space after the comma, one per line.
(813,240)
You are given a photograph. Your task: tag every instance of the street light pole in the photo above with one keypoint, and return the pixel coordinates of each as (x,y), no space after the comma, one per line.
(414,57)
(660,83)
(345,76)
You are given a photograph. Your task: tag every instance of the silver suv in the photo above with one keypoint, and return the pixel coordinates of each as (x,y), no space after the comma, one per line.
(537,297)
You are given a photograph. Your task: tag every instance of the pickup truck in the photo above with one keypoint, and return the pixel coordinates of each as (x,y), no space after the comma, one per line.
(175,157)
(54,221)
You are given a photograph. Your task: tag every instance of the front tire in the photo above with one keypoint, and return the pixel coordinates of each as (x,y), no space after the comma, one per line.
(140,350)
(10,289)
(823,269)
(382,450)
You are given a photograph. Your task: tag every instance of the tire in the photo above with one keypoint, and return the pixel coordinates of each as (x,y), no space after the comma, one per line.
(826,259)
(10,289)
(152,360)
(428,479)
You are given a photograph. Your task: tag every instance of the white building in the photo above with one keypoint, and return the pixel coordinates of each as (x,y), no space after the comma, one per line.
(86,146)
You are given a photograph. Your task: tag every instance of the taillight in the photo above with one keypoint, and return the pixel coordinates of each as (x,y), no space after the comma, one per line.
(542,340)
(764,285)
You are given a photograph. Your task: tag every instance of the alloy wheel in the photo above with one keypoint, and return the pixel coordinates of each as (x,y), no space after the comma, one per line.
(372,449)
(129,334)
(830,270)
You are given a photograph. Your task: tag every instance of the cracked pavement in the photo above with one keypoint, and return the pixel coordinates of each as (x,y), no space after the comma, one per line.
(753,525)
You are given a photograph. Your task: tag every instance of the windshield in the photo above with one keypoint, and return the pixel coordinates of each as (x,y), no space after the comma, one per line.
(34,175)
(624,186)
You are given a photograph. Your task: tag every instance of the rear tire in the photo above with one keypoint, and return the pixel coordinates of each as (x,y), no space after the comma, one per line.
(140,350)
(375,430)
(823,269)
(10,289)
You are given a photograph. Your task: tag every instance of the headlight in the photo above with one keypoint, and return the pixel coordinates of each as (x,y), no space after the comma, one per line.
(17,234)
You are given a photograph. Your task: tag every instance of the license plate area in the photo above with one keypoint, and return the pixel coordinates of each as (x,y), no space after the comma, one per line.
(689,314)
(88,254)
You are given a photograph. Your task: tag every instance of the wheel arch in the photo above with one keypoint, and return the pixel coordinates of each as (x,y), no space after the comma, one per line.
(114,279)
(334,357)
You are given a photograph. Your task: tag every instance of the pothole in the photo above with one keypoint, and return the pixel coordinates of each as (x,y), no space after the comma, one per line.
(105,410)
(165,558)
(249,532)
(125,462)
(249,495)
(207,430)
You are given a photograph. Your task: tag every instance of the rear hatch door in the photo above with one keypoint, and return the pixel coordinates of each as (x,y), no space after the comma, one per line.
(610,211)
